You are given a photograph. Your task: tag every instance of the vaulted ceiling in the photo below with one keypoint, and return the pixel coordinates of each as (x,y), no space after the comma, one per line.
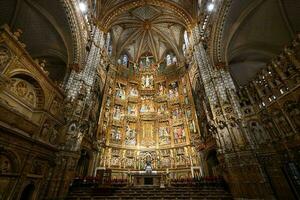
(254,32)
(148,29)
(148,26)
(46,31)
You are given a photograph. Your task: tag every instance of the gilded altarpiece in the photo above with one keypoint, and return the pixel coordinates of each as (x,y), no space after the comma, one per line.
(148,115)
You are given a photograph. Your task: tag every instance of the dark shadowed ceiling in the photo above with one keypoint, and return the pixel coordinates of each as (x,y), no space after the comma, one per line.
(46,31)
(255,31)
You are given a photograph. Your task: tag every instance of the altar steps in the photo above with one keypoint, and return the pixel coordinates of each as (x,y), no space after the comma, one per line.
(170,193)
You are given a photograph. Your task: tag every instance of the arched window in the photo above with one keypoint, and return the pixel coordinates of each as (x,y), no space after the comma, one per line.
(186,42)
(168,59)
(125,60)
(171,59)
(186,38)
(108,43)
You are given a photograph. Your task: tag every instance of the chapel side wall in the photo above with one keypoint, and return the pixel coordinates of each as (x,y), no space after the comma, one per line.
(31,124)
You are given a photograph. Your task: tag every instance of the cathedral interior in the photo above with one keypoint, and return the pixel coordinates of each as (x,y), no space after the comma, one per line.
(149,99)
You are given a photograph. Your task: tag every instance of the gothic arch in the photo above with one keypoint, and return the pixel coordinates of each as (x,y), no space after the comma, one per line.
(111,14)
(39,91)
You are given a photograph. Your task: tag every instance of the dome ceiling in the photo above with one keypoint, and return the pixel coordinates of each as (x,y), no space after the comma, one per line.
(142,27)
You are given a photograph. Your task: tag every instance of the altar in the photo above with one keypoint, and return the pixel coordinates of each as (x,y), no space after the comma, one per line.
(143,178)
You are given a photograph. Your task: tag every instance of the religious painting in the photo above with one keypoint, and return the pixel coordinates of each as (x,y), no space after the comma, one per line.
(120,91)
(133,92)
(132,110)
(161,89)
(116,136)
(176,113)
(164,134)
(147,81)
(130,135)
(173,90)
(179,134)
(162,109)
(147,135)
(147,104)
(118,113)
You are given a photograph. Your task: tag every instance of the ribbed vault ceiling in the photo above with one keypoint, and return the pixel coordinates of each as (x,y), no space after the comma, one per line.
(149,26)
(148,29)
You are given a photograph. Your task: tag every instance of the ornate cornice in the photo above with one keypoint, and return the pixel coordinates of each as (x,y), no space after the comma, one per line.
(216,49)
(78,30)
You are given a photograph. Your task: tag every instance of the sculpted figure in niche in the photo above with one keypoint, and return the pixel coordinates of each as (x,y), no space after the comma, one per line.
(5,165)
(79,106)
(130,136)
(116,135)
(133,92)
(129,162)
(74,138)
(161,89)
(148,62)
(192,126)
(147,105)
(180,160)
(147,81)
(173,90)
(186,100)
(21,89)
(166,162)
(54,135)
(108,102)
(120,92)
(45,130)
(132,110)
(4,57)
(162,109)
(115,161)
(117,113)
